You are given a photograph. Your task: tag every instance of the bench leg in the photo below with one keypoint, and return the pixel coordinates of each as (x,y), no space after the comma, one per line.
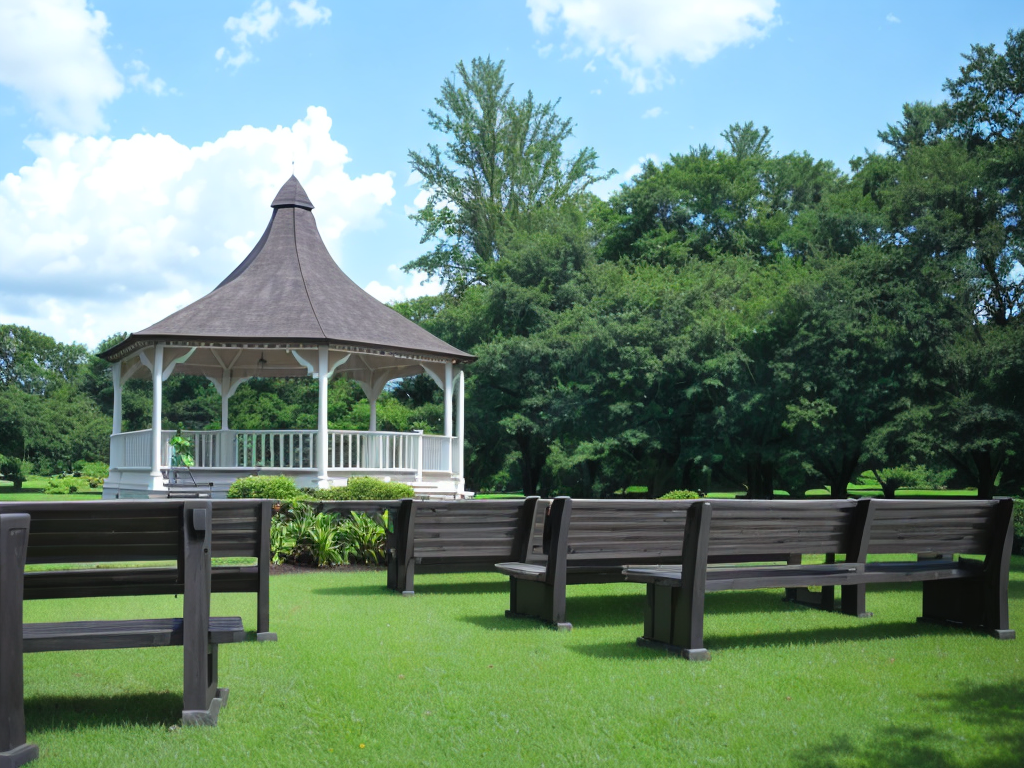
(853,601)
(674,622)
(203,702)
(537,600)
(400,576)
(963,601)
(824,600)
(20,755)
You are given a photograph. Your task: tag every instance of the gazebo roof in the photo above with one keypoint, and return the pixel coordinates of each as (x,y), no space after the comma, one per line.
(289,290)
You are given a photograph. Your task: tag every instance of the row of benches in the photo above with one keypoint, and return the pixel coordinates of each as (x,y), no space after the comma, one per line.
(187,534)
(545,545)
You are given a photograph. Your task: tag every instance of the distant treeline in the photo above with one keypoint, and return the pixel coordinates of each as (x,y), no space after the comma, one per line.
(732,317)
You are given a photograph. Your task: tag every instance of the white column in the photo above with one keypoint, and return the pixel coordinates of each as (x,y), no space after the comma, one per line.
(448,399)
(225,393)
(116,372)
(156,478)
(448,409)
(373,410)
(323,375)
(227,454)
(462,430)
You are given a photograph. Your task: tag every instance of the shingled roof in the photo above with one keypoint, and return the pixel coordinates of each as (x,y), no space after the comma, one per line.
(289,289)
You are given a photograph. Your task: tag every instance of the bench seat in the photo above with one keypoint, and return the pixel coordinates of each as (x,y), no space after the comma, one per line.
(721,578)
(965,591)
(133,633)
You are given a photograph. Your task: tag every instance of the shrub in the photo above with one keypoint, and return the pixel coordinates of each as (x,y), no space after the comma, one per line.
(363,538)
(1018,526)
(63,486)
(365,488)
(279,487)
(681,495)
(16,470)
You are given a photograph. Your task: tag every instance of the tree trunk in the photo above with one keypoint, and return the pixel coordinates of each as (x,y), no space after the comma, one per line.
(840,476)
(760,479)
(987,469)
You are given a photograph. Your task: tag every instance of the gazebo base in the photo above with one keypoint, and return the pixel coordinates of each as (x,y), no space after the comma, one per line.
(138,484)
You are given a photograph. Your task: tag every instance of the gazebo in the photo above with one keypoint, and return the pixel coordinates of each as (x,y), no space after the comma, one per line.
(288,311)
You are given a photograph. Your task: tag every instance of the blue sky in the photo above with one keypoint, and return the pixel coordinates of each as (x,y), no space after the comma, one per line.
(141,143)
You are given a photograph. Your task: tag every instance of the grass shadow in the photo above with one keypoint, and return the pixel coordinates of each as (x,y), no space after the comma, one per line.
(69,713)
(463,588)
(501,623)
(715,642)
(996,712)
(355,591)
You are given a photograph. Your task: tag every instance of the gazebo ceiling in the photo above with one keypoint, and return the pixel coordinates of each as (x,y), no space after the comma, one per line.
(289,294)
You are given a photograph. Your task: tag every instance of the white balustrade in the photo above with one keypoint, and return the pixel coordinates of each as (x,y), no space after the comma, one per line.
(131,450)
(375,452)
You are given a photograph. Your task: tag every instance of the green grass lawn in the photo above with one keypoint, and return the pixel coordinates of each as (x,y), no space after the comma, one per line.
(361,676)
(32,490)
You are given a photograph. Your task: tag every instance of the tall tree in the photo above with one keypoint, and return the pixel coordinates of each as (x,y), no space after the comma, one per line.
(502,161)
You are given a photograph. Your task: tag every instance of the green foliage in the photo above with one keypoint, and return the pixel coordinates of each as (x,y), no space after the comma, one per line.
(65,486)
(910,476)
(681,495)
(182,450)
(281,542)
(368,488)
(279,487)
(364,537)
(16,470)
(503,162)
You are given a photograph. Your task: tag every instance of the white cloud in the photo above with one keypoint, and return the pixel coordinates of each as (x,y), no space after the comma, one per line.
(105,235)
(411,286)
(640,37)
(892,18)
(51,51)
(651,113)
(307,14)
(140,79)
(414,178)
(545,51)
(421,199)
(258,21)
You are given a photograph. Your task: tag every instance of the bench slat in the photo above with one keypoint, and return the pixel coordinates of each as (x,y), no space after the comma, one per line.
(133,633)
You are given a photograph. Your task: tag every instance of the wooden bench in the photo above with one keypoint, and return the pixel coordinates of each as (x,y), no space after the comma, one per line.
(455,536)
(588,541)
(131,530)
(968,592)
(241,528)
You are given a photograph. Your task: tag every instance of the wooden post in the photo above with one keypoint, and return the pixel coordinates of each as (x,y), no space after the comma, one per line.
(323,479)
(202,699)
(13,548)
(263,632)
(156,478)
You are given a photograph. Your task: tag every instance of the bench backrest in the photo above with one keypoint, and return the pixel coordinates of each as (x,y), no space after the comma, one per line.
(479,530)
(964,527)
(372,509)
(103,531)
(797,526)
(241,527)
(628,530)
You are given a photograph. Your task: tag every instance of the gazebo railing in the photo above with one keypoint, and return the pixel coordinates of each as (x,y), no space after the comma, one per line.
(348,450)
